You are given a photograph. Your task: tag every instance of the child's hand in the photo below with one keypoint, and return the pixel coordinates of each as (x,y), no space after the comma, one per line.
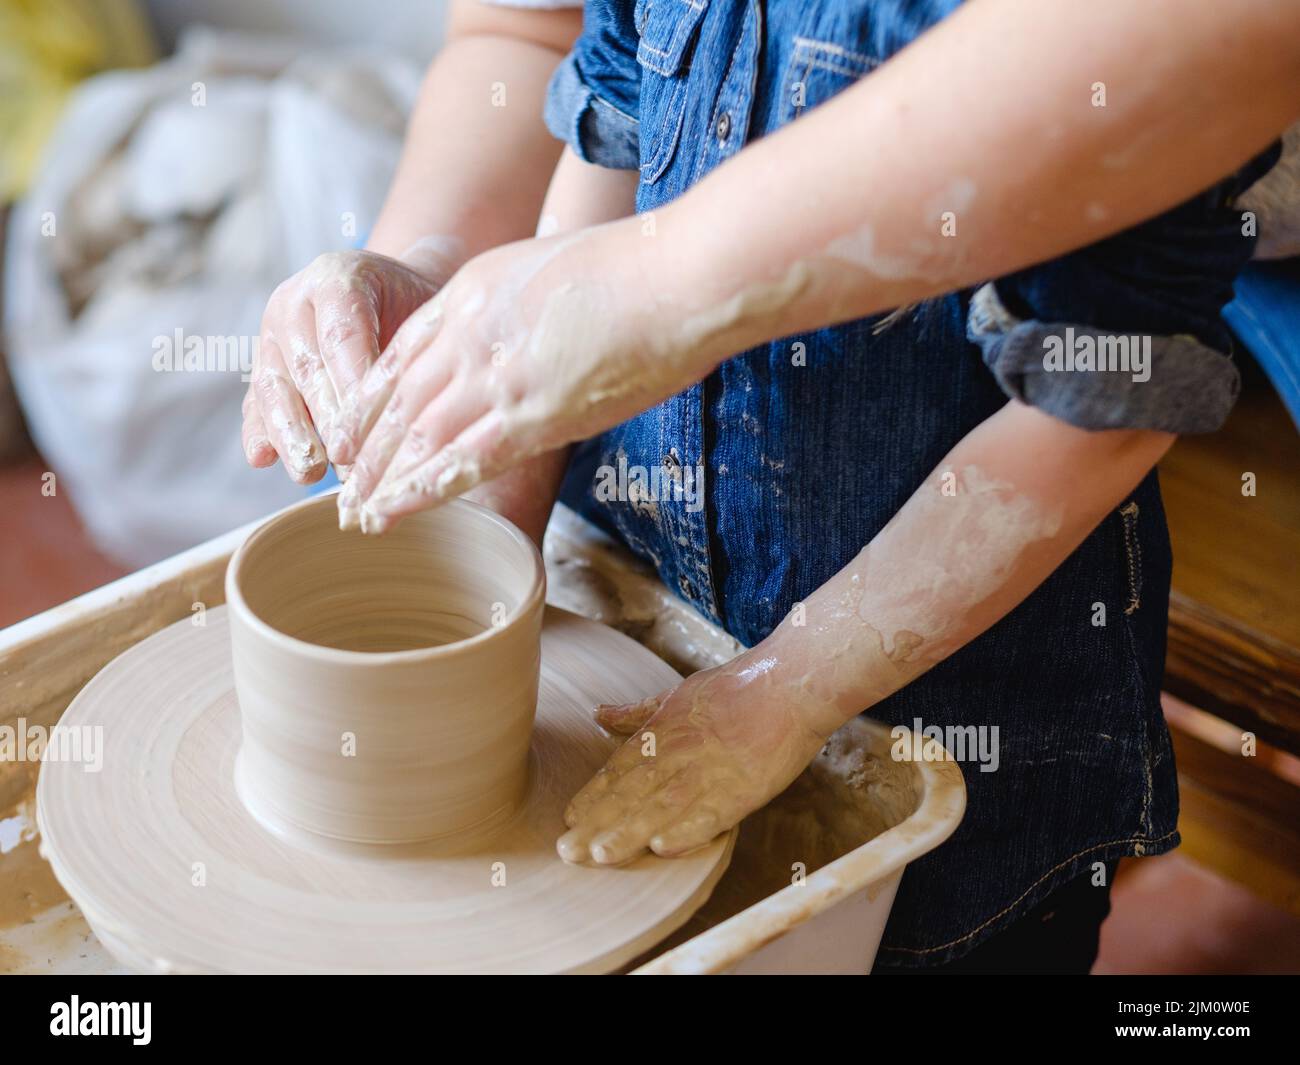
(529,347)
(321,331)
(700,757)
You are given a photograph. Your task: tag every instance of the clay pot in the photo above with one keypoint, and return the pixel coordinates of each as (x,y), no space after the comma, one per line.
(386,685)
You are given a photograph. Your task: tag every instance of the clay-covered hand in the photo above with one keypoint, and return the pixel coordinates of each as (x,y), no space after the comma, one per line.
(699,758)
(529,347)
(322,329)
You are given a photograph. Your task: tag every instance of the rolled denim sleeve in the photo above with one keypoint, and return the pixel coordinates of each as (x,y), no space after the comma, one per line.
(1127,333)
(593,99)
(1097,379)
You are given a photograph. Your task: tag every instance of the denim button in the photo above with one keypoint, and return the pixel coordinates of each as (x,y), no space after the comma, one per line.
(724,125)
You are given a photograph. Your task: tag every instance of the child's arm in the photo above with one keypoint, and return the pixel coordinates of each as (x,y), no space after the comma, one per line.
(838,216)
(989,116)
(996,517)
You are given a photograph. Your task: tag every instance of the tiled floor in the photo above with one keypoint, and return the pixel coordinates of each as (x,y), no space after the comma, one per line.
(1170,915)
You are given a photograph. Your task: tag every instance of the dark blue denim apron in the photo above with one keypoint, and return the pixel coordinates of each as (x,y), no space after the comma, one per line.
(810,444)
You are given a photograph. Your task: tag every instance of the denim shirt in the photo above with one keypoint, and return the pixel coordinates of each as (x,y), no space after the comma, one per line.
(805,447)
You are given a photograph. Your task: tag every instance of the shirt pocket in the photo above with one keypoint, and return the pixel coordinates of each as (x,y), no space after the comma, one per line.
(668,30)
(818,69)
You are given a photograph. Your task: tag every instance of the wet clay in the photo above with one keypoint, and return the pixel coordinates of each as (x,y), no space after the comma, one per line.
(852,792)
(849,794)
(591,575)
(27,885)
(386,687)
(175,875)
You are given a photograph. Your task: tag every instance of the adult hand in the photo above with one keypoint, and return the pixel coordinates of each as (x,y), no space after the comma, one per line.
(529,347)
(321,331)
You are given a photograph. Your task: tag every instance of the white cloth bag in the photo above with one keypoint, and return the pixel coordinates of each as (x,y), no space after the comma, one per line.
(158,221)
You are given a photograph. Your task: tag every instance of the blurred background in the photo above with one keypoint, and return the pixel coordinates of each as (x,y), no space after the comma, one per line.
(163,165)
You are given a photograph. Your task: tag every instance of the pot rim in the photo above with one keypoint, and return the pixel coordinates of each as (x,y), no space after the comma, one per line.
(532,602)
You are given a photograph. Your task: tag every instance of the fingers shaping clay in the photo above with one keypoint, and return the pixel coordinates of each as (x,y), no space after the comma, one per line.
(390,804)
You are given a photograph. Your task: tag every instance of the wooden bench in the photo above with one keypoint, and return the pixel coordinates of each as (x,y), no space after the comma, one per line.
(1234,642)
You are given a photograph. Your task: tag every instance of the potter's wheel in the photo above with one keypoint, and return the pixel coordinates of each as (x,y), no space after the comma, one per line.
(173,873)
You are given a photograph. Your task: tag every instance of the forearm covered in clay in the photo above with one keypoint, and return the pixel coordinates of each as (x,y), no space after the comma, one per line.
(945,182)
(995,519)
(975,152)
(1002,511)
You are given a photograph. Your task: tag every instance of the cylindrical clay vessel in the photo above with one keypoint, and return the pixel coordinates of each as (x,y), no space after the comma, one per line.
(386,685)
